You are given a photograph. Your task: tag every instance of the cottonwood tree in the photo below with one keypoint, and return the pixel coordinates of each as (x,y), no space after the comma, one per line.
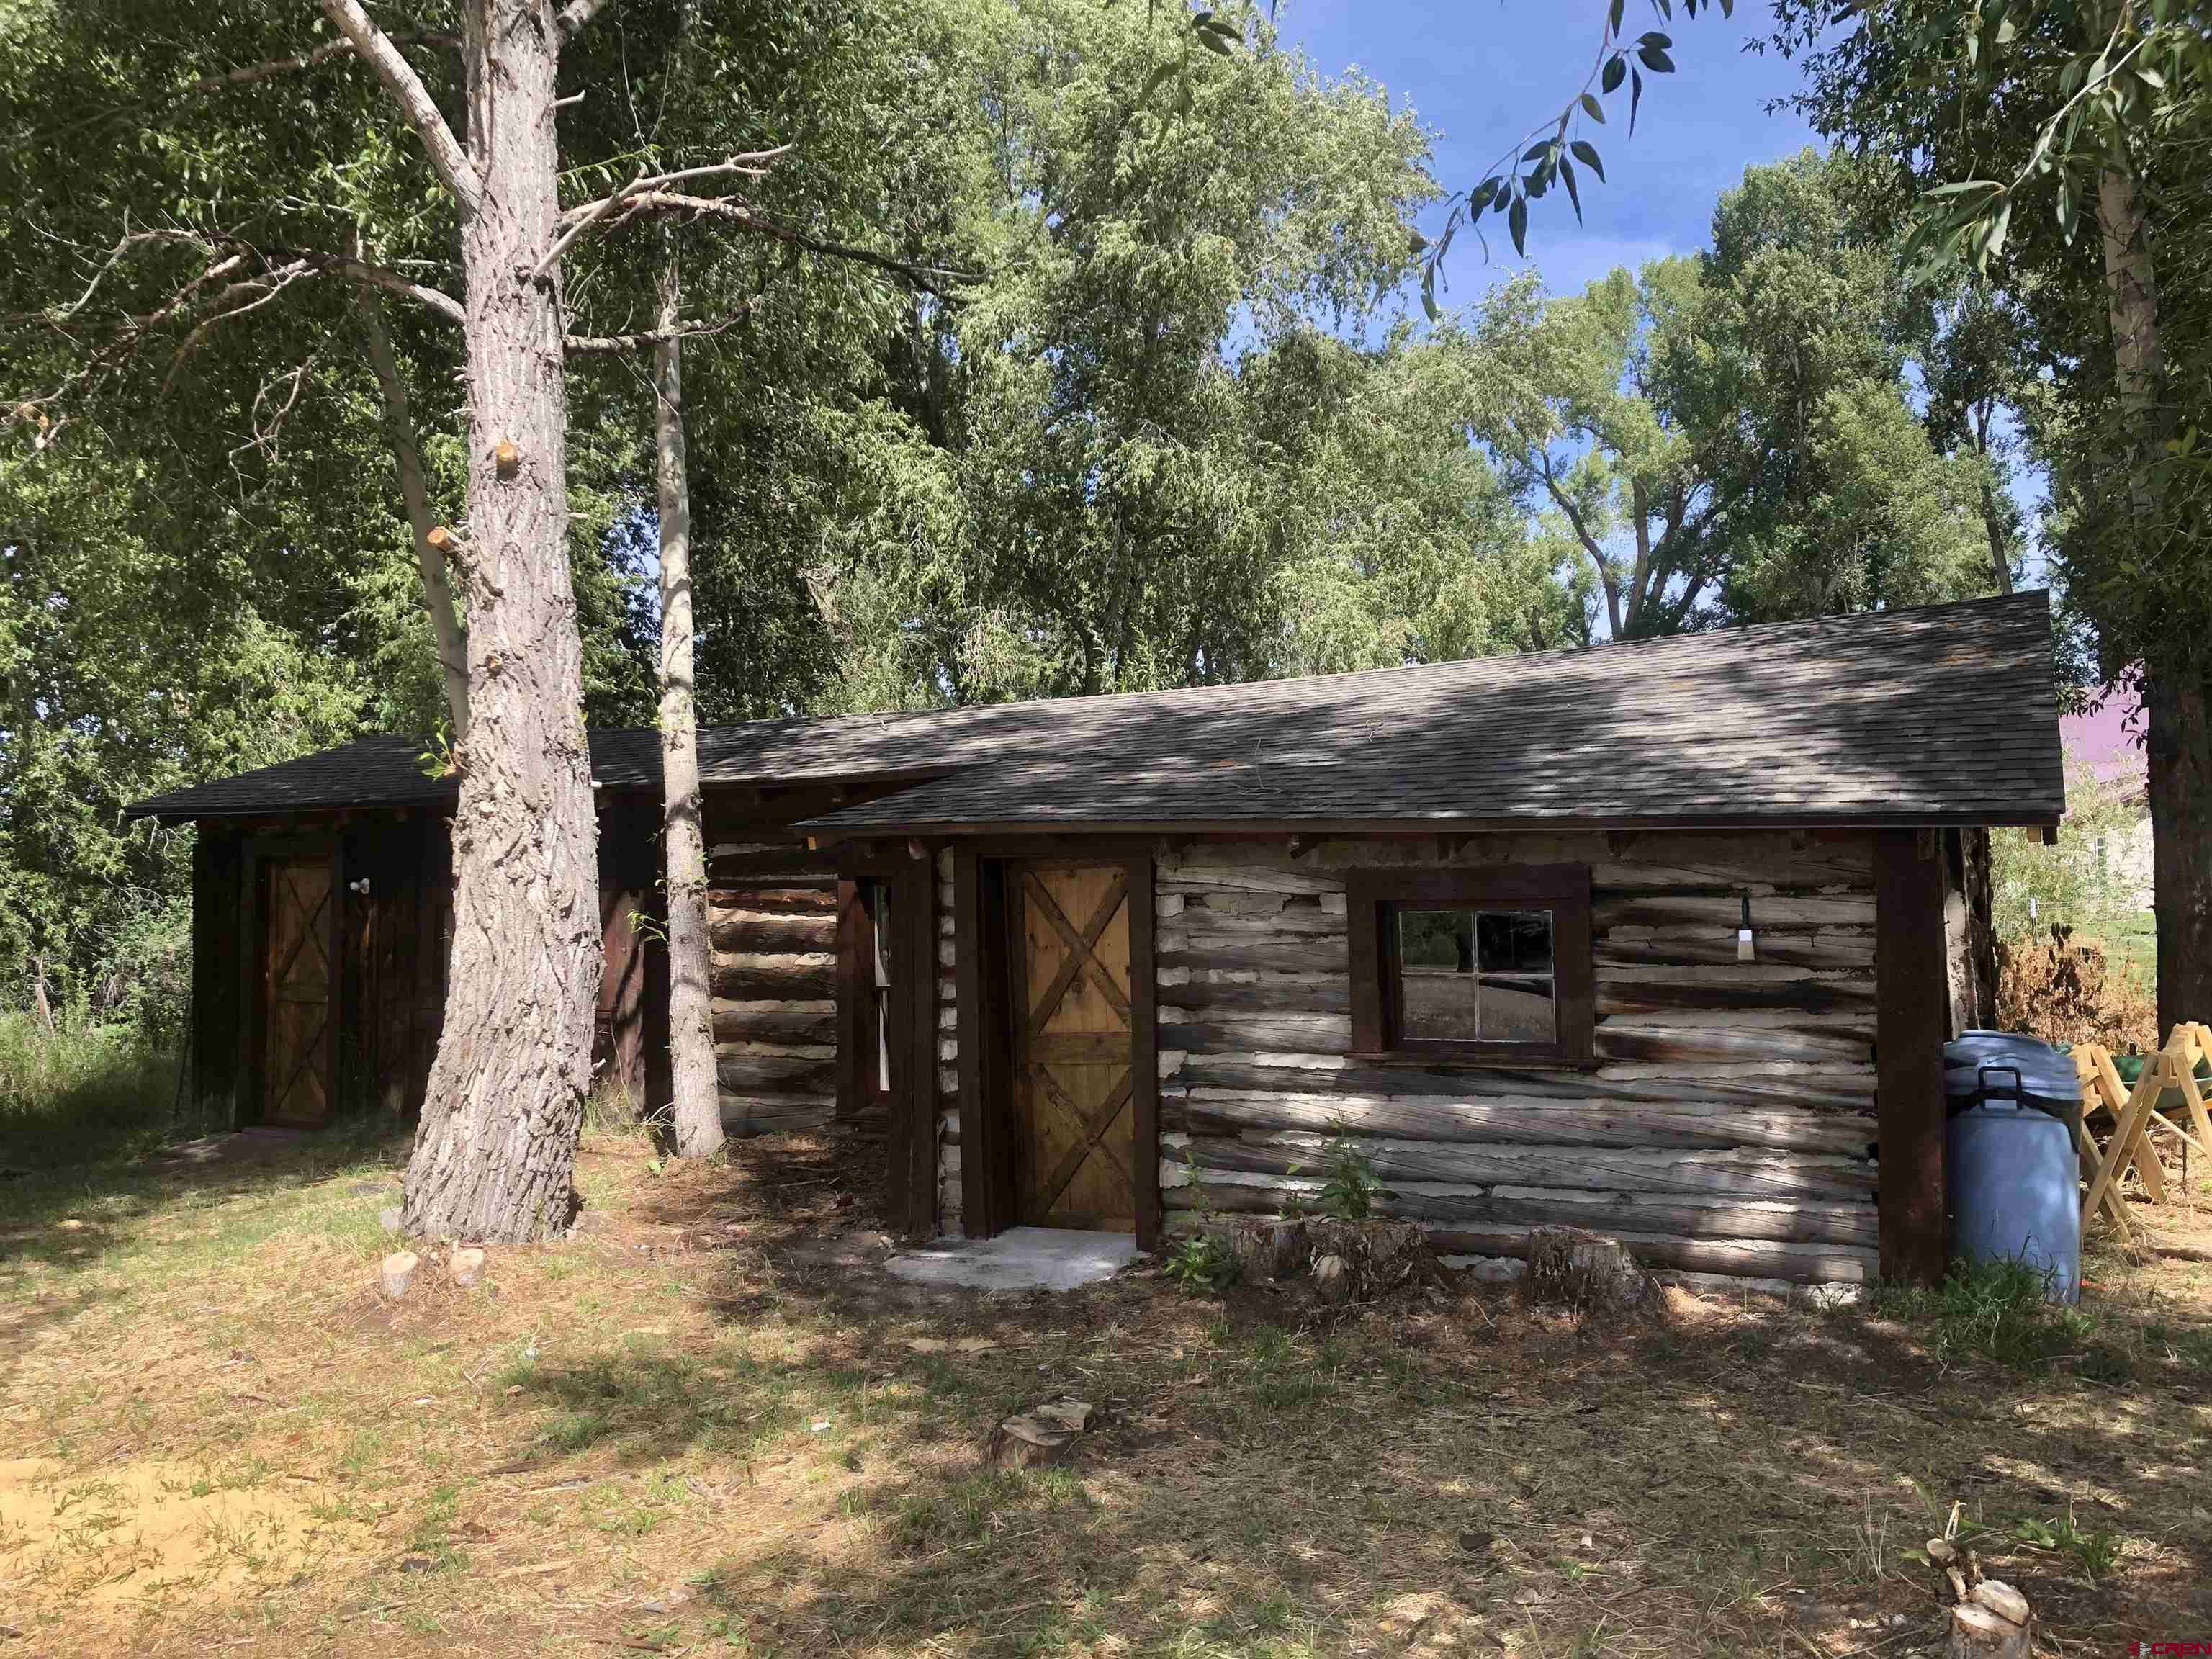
(494,1149)
(1731,436)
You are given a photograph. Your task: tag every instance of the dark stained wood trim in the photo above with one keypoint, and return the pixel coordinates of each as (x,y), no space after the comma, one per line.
(910,1115)
(1564,888)
(855,941)
(1145,1066)
(1911,1016)
(1364,924)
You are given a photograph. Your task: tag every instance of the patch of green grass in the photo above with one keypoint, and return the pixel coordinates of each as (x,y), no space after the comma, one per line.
(431,1537)
(2191,1347)
(964,1508)
(84,1094)
(1995,1310)
(1283,1373)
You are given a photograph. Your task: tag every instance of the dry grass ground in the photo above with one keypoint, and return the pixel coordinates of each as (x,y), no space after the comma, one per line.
(692,1428)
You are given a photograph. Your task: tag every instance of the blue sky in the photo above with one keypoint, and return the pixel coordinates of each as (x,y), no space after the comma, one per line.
(1482,72)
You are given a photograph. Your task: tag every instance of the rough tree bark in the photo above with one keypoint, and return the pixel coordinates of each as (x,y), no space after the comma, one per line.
(446,630)
(2178,731)
(698,1108)
(495,1153)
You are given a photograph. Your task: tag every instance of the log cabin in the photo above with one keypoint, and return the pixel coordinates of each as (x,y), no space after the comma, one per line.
(1661,938)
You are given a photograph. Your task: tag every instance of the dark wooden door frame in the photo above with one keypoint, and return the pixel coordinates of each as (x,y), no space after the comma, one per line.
(260,852)
(981,918)
(910,1123)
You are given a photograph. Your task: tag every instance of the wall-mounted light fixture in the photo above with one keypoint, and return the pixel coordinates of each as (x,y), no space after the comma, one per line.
(359,887)
(1745,949)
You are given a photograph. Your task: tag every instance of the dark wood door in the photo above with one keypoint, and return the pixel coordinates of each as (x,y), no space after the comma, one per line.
(1074,1048)
(297,988)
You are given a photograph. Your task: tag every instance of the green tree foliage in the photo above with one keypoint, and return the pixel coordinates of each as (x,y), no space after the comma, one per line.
(2060,148)
(1732,437)
(1148,450)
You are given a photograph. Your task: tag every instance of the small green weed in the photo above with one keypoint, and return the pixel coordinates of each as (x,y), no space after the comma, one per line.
(1353,1185)
(1203,1267)
(2096,1552)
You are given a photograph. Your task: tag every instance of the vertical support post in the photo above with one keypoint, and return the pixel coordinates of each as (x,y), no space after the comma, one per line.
(855,981)
(1145,1066)
(1912,1003)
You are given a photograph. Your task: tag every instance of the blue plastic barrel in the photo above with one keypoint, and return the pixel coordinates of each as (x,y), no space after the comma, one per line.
(2010,1171)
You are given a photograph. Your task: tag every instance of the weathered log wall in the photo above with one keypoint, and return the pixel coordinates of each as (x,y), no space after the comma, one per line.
(1727,1127)
(772,923)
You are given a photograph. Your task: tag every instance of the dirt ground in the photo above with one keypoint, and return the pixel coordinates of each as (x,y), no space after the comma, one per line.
(706,1424)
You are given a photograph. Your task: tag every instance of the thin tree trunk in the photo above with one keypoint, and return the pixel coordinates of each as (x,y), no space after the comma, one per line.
(495,1154)
(44,1008)
(691,1007)
(1993,523)
(446,629)
(2178,732)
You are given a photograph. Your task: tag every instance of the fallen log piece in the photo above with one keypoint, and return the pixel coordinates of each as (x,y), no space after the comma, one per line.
(466,1268)
(1587,1271)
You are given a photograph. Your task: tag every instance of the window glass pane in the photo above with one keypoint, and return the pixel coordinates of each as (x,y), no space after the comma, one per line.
(1436,963)
(1516,1008)
(1514,941)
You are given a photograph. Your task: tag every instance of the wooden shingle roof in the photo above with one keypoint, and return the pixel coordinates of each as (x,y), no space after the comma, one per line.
(1943,714)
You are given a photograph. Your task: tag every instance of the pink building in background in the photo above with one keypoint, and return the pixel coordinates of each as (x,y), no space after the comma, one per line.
(2108,745)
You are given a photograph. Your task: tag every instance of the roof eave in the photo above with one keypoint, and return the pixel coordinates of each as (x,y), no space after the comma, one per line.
(826,830)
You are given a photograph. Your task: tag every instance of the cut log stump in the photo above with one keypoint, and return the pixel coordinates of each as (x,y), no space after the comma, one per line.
(466,1268)
(1043,1435)
(1267,1250)
(1993,1623)
(1569,1268)
(399,1272)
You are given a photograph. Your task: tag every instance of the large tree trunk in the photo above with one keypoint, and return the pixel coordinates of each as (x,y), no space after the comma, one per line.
(446,630)
(2180,740)
(691,1001)
(495,1152)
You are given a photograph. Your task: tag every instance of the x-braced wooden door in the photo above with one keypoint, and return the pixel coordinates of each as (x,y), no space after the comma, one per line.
(298,983)
(1074,1048)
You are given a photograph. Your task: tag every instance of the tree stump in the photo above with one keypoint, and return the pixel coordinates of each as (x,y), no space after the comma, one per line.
(1265,1250)
(1993,1623)
(466,1268)
(1587,1271)
(399,1272)
(1378,1257)
(1043,1435)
